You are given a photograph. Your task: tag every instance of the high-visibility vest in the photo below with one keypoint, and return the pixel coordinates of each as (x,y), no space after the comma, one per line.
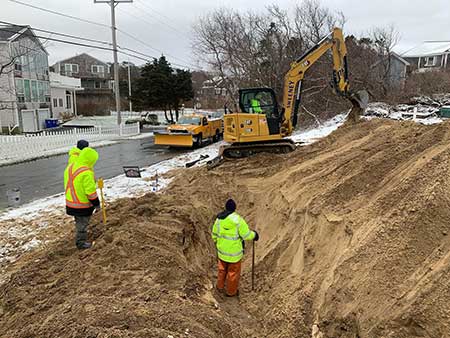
(80,186)
(228,235)
(256,106)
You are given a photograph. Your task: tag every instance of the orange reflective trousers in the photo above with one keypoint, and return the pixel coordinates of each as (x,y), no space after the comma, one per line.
(229,274)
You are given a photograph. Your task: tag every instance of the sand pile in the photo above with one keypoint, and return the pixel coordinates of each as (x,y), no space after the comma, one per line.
(354,242)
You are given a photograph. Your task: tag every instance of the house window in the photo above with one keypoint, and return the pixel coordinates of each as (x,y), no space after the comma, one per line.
(34,91)
(24,63)
(21,99)
(97,84)
(71,68)
(61,103)
(19,86)
(18,66)
(55,103)
(41,89)
(97,69)
(430,61)
(27,90)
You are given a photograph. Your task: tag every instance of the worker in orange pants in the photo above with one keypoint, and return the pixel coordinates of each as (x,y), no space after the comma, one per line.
(228,233)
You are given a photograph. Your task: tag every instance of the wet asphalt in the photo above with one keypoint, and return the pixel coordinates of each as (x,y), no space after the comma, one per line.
(44,177)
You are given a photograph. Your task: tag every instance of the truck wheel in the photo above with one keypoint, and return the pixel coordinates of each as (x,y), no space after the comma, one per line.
(216,137)
(198,140)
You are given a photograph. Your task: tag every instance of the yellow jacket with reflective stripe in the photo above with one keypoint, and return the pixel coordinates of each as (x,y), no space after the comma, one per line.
(229,230)
(79,180)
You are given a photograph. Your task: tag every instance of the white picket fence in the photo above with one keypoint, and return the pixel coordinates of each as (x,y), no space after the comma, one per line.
(24,147)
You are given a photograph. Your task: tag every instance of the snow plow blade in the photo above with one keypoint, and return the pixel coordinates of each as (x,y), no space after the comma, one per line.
(173,140)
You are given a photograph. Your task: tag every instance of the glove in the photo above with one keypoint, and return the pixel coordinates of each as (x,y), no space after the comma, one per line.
(256,236)
(97,209)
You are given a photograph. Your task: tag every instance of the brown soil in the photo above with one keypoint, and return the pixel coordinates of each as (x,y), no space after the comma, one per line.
(355,242)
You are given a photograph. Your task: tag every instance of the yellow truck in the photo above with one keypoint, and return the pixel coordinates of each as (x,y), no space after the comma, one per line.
(191,131)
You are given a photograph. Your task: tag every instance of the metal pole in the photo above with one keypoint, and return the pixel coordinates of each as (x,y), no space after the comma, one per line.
(116,63)
(253,266)
(129,87)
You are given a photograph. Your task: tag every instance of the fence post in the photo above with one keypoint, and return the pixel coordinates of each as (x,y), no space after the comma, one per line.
(120,129)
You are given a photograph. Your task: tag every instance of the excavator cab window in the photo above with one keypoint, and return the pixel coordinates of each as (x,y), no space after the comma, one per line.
(261,101)
(258,101)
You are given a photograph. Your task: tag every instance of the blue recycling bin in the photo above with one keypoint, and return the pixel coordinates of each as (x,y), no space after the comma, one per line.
(51,123)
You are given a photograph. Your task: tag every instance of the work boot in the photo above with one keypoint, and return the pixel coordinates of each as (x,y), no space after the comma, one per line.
(83,246)
(235,295)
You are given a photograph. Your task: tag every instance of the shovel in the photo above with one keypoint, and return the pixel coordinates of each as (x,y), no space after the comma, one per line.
(100,186)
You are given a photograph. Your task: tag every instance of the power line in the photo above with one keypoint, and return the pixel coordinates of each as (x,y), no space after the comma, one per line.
(60,34)
(61,14)
(83,45)
(165,23)
(98,24)
(149,46)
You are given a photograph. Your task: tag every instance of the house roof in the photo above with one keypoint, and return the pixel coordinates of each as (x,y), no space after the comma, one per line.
(10,33)
(402,60)
(7,32)
(428,48)
(82,55)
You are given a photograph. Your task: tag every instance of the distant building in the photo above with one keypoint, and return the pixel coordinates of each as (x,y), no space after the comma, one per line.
(96,79)
(430,55)
(64,94)
(212,94)
(393,69)
(24,81)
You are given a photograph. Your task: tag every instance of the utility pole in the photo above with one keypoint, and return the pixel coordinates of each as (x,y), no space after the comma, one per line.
(113,4)
(129,87)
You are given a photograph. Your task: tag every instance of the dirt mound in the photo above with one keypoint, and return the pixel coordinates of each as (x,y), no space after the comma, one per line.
(354,243)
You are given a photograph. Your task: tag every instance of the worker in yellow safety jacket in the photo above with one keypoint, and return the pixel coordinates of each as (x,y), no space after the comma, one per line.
(256,106)
(75,151)
(81,193)
(228,233)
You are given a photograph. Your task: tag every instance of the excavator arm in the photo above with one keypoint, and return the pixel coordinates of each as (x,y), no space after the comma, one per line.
(293,79)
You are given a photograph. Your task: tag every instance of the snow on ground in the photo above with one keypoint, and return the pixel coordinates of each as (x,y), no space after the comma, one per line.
(309,136)
(419,113)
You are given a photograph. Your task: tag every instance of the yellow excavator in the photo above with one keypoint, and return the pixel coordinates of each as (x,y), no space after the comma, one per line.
(262,125)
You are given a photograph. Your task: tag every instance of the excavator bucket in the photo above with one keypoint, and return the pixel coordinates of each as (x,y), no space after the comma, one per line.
(174,140)
(359,100)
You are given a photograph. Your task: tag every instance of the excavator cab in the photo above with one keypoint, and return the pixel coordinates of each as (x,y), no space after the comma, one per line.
(261,101)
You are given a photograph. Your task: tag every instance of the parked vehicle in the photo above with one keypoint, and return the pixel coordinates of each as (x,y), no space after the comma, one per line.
(191,131)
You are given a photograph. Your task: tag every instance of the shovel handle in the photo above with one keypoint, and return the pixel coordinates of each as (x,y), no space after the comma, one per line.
(100,186)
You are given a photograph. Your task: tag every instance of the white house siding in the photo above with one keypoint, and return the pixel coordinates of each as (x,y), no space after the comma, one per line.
(59,102)
(8,116)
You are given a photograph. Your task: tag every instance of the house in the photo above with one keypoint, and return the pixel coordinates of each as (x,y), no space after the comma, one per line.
(212,94)
(24,80)
(64,94)
(393,70)
(96,79)
(430,55)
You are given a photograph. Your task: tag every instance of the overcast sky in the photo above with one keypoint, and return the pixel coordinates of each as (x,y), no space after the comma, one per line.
(146,20)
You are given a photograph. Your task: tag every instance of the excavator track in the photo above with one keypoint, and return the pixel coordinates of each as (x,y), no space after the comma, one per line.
(248,149)
(235,151)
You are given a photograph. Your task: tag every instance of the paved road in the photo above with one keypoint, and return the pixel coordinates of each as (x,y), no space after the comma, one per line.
(44,177)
